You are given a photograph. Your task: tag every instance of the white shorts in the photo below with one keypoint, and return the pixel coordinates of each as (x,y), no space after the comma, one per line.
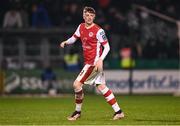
(89,75)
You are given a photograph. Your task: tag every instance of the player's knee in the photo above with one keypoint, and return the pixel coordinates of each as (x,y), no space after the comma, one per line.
(77,85)
(101,86)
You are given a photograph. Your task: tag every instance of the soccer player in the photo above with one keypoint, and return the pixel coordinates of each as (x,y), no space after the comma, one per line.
(93,38)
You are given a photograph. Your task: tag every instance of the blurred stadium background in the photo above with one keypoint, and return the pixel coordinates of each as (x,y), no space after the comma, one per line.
(144,59)
(143,36)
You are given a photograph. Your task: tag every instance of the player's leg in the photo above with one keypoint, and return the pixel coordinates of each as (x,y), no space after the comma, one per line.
(79,95)
(110,98)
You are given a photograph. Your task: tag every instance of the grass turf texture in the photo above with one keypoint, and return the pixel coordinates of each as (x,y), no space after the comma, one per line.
(144,110)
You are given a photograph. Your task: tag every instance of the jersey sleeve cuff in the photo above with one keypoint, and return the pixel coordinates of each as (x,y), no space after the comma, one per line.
(104,43)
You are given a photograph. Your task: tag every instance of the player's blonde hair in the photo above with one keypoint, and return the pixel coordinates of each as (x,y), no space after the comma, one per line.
(89,9)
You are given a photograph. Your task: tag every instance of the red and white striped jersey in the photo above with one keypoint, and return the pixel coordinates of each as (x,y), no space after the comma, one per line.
(92,40)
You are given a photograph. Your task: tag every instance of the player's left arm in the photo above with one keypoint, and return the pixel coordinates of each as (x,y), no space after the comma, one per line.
(101,36)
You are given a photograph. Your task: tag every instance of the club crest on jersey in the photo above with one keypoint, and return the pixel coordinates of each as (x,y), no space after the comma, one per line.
(90,34)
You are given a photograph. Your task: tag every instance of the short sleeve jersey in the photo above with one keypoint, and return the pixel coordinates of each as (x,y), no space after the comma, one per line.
(92,40)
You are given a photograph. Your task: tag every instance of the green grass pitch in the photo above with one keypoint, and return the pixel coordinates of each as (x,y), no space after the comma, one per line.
(139,110)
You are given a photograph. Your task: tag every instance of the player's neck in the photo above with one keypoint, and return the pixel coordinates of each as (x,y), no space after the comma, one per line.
(89,25)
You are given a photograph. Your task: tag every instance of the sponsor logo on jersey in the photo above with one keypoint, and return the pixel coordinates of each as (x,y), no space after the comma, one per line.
(104,37)
(102,33)
(86,46)
(90,34)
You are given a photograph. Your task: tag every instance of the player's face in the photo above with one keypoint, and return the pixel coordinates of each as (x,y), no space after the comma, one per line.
(88,18)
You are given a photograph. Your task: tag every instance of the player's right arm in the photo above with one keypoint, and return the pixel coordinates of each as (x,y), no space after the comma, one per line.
(67,42)
(71,40)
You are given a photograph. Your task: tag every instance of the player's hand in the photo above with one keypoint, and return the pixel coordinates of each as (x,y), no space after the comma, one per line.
(99,65)
(63,44)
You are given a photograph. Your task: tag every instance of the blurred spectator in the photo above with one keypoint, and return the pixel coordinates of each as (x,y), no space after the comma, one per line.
(133,20)
(40,16)
(127,61)
(24,16)
(48,78)
(12,19)
(72,61)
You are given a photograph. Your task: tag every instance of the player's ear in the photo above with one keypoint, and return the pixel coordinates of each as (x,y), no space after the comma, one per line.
(83,15)
(94,17)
